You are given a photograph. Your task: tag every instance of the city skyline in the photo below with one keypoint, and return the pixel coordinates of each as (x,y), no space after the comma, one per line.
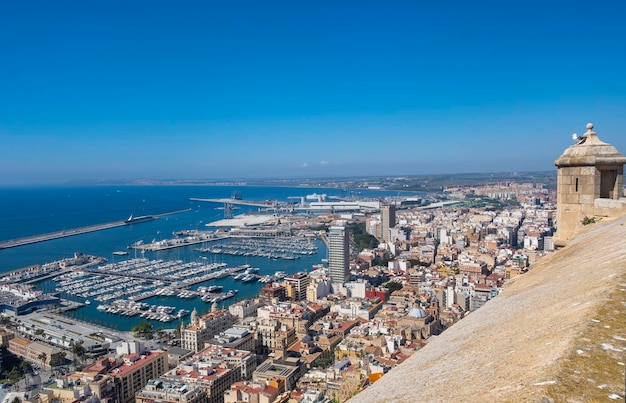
(204,90)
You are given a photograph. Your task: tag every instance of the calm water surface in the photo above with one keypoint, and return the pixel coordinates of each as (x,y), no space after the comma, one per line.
(31,211)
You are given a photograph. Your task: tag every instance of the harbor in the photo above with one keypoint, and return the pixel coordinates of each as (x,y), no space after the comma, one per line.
(163,290)
(277,245)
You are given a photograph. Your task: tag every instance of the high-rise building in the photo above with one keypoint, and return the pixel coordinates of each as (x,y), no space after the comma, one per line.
(388,220)
(338,254)
(298,282)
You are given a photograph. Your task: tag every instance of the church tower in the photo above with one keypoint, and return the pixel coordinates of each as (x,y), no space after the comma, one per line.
(194,317)
(590,183)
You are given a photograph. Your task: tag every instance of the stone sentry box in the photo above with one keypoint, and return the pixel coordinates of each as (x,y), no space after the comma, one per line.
(590,183)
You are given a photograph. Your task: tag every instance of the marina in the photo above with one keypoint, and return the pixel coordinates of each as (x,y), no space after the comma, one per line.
(162,313)
(289,248)
(218,297)
(120,288)
(239,243)
(135,279)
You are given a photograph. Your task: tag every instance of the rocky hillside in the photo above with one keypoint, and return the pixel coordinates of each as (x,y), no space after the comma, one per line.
(557,333)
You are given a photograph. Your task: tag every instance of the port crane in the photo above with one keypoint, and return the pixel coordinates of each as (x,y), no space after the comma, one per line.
(228,209)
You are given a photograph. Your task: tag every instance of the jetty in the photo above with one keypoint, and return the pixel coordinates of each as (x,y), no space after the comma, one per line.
(188,237)
(13,243)
(237,202)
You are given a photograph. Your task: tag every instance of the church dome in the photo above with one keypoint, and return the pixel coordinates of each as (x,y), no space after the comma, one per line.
(418,313)
(590,151)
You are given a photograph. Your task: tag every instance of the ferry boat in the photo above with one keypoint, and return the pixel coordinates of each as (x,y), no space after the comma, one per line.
(133,220)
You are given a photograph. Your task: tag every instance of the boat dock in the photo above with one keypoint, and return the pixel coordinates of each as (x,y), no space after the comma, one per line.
(135,279)
(172,243)
(13,243)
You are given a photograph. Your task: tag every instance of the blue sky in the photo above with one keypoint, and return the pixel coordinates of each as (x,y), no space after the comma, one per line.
(255,89)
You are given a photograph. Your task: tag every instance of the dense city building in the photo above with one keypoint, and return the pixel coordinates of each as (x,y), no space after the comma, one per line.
(338,254)
(274,336)
(234,338)
(253,392)
(31,351)
(272,293)
(388,221)
(115,379)
(286,369)
(202,329)
(170,391)
(296,285)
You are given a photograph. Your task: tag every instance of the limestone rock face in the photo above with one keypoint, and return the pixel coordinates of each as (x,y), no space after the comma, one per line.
(507,351)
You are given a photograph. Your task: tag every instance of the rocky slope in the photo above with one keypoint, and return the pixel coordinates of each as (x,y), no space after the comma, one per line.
(556,333)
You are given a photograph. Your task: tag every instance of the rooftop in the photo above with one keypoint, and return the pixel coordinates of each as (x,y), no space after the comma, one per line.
(589,150)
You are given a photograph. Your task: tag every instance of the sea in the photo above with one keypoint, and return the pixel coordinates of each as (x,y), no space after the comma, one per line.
(26,211)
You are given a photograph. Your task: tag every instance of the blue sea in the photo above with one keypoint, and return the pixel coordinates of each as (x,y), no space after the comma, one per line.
(30,211)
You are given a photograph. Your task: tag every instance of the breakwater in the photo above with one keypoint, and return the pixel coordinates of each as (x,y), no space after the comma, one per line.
(13,243)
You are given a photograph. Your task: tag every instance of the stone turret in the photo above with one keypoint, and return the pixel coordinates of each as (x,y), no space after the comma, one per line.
(590,183)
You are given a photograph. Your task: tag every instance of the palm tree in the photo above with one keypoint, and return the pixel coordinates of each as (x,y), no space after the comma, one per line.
(43,357)
(78,351)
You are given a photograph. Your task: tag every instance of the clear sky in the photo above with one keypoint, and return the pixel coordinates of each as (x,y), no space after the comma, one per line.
(255,89)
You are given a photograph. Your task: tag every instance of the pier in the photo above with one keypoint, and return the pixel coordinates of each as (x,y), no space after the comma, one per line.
(13,243)
(177,242)
(237,202)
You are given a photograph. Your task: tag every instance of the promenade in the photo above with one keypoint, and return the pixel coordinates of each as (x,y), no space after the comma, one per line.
(13,243)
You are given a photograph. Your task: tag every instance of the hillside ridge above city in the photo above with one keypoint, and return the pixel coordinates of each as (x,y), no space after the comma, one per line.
(556,332)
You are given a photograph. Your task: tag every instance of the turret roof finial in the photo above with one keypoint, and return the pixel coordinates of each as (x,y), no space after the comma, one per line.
(590,134)
(589,150)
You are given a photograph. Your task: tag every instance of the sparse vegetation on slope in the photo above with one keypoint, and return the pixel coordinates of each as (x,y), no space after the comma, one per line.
(594,369)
